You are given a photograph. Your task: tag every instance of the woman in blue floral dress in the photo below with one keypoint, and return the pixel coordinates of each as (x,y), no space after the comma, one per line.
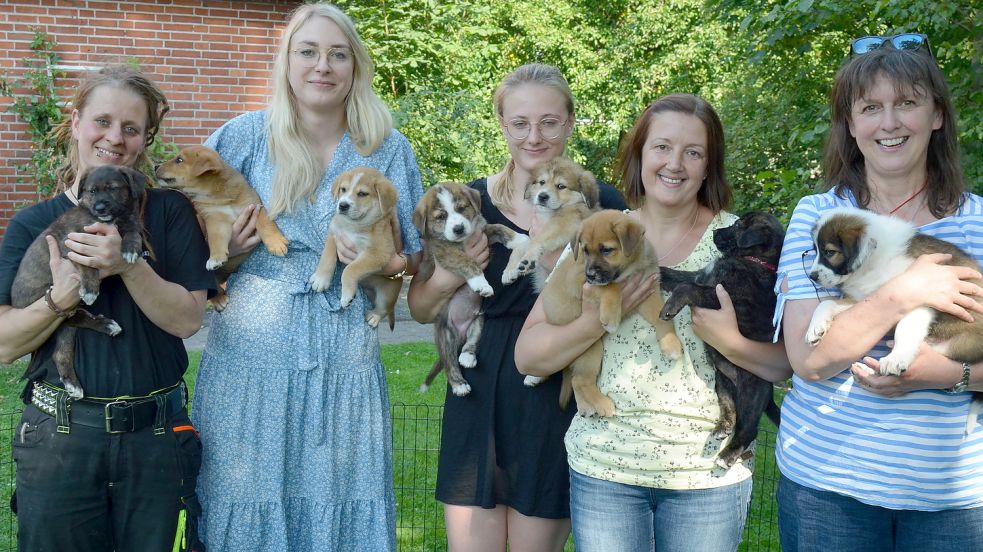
(291,399)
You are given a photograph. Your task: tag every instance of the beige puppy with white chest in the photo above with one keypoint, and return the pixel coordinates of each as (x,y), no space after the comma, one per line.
(365,215)
(609,249)
(219,193)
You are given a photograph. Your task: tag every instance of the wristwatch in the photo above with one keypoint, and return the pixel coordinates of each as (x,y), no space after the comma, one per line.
(962,384)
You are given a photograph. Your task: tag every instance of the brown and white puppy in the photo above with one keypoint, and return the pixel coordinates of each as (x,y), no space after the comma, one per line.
(609,248)
(859,251)
(365,214)
(446,216)
(219,193)
(106,194)
(749,250)
(564,194)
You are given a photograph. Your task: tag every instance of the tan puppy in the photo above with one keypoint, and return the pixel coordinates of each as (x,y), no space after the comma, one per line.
(219,193)
(609,249)
(365,202)
(564,194)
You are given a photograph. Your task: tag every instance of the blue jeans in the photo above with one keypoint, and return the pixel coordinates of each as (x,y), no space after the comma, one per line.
(813,520)
(616,517)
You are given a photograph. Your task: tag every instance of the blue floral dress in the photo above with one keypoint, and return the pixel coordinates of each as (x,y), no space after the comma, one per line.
(291,397)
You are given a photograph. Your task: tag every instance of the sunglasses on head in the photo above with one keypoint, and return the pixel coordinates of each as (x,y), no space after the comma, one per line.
(903,41)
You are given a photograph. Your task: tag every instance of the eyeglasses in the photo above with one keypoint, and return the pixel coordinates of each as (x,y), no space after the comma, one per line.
(550,128)
(308,56)
(904,41)
(808,258)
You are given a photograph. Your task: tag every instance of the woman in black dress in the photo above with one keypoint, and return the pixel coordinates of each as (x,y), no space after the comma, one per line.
(503,475)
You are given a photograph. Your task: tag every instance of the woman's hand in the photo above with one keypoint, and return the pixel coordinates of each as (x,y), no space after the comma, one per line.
(100,247)
(634,292)
(717,327)
(930,370)
(65,278)
(476,248)
(347,251)
(945,288)
(244,236)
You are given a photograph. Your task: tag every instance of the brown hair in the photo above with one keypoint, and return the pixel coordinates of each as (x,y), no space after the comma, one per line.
(530,73)
(715,193)
(121,76)
(911,72)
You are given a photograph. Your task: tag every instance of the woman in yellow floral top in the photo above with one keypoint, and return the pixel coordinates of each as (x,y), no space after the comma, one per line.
(645,477)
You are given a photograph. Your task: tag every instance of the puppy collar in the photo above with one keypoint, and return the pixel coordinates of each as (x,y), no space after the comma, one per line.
(761,262)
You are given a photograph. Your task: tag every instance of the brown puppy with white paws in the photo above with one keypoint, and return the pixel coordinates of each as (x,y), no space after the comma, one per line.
(219,193)
(365,214)
(609,249)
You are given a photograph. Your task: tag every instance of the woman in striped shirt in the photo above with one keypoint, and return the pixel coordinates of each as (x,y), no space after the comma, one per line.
(873,462)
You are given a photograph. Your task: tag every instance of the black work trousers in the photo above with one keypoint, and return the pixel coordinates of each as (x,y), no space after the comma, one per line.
(91,491)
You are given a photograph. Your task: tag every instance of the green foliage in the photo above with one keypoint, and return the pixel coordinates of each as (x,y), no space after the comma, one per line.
(35,101)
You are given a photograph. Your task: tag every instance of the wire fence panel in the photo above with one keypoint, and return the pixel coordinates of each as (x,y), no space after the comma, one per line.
(420,521)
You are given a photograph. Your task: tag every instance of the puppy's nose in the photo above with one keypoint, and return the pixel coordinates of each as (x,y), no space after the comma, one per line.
(542,198)
(814,276)
(344,206)
(458,230)
(100,207)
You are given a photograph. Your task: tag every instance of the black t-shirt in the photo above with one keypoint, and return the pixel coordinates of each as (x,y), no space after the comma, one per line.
(143,357)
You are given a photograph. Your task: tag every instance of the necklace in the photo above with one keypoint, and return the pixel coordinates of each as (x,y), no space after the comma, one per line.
(903,203)
(696,217)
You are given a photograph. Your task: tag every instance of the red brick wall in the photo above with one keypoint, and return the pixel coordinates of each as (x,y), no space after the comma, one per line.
(211,58)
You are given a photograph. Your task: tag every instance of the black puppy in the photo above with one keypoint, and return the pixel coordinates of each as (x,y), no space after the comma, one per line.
(750,248)
(106,194)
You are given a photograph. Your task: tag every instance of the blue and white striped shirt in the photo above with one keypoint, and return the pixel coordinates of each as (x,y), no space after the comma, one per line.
(903,453)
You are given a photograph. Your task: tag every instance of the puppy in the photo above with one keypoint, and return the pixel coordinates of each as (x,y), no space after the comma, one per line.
(446,216)
(609,248)
(858,252)
(365,214)
(564,194)
(107,194)
(219,193)
(750,249)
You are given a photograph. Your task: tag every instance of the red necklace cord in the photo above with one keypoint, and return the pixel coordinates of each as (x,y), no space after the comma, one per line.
(911,197)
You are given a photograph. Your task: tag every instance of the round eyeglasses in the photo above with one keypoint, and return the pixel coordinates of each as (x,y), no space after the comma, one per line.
(309,56)
(550,128)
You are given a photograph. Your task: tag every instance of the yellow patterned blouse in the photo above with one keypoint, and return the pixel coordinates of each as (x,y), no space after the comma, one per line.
(660,436)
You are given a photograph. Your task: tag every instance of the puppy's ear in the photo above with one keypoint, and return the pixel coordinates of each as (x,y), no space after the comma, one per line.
(205,164)
(575,244)
(83,182)
(589,189)
(420,214)
(752,236)
(857,245)
(527,192)
(137,181)
(387,193)
(337,184)
(474,197)
(630,235)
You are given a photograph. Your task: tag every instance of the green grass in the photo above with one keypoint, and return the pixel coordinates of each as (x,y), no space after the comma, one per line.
(416,438)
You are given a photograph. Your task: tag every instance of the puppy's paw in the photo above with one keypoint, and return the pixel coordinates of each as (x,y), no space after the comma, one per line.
(113,329)
(73,388)
(894,365)
(520,240)
(532,381)
(423,388)
(526,266)
(610,324)
(602,406)
(88,296)
(373,319)
(319,282)
(219,302)
(276,245)
(347,296)
(214,264)
(671,347)
(671,308)
(724,463)
(509,276)
(816,331)
(461,390)
(467,360)
(480,285)
(131,256)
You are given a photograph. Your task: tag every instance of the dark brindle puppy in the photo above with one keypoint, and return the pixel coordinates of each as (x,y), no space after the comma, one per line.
(106,194)
(750,248)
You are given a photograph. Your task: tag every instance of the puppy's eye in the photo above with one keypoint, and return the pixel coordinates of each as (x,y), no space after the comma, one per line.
(542,182)
(605,250)
(440,215)
(362,193)
(561,186)
(178,160)
(459,206)
(828,253)
(344,189)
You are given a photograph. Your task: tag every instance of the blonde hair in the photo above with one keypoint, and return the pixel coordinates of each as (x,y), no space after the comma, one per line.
(298,168)
(531,73)
(119,76)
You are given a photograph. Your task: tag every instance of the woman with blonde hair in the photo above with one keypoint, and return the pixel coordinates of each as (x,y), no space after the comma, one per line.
(291,398)
(502,473)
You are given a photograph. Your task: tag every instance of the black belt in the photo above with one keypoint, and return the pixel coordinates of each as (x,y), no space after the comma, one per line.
(114,415)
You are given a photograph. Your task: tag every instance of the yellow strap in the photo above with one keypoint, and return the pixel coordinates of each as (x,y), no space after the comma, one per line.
(180,540)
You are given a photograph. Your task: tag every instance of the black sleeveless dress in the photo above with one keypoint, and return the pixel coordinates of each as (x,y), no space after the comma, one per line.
(503,443)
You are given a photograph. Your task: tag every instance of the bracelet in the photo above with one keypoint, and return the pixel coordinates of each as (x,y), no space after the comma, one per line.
(963,383)
(54,308)
(399,275)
